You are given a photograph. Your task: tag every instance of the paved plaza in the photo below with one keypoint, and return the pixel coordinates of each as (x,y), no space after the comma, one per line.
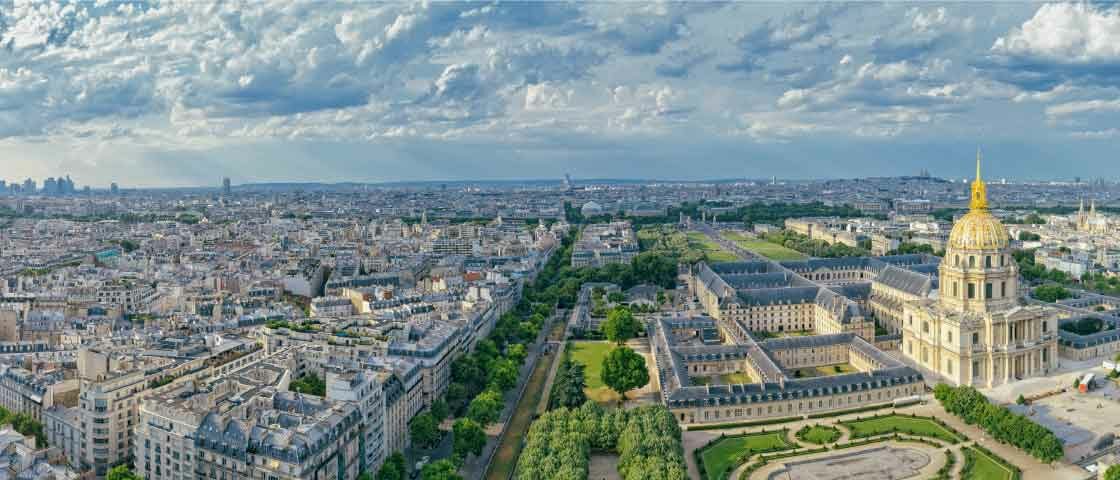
(877,463)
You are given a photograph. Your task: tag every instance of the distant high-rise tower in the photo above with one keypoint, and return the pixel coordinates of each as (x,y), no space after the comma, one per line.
(226,187)
(113,189)
(567,184)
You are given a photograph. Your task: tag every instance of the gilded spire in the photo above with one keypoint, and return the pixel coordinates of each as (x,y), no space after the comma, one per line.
(979,190)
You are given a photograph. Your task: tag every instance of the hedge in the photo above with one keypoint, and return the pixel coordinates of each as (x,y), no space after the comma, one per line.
(854,410)
(756,423)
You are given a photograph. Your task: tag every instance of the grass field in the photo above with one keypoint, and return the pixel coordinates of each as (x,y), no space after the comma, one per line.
(825,370)
(712,251)
(735,378)
(983,467)
(819,434)
(724,454)
(770,250)
(591,355)
(505,459)
(922,427)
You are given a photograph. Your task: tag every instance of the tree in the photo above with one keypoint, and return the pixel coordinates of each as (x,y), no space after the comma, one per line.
(485,408)
(122,472)
(441,470)
(440,410)
(624,370)
(568,386)
(310,384)
(394,468)
(517,353)
(468,438)
(620,325)
(1113,473)
(503,374)
(616,297)
(424,430)
(1051,293)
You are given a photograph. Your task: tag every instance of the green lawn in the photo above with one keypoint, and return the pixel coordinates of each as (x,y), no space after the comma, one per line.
(724,455)
(712,251)
(983,467)
(770,250)
(700,380)
(591,355)
(922,427)
(825,370)
(819,434)
(736,236)
(736,378)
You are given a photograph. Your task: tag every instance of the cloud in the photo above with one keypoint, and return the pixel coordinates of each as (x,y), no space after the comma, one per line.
(210,76)
(679,63)
(805,29)
(1062,42)
(644,29)
(923,32)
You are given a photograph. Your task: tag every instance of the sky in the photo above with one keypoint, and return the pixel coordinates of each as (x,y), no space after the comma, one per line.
(185,93)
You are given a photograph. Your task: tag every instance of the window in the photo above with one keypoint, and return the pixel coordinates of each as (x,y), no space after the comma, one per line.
(987,290)
(949,334)
(975,338)
(987,261)
(955,290)
(971,261)
(925,327)
(1045,326)
(1002,289)
(971,290)
(956,260)
(949,366)
(1001,259)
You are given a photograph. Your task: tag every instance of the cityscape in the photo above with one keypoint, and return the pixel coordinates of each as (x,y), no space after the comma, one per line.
(551,240)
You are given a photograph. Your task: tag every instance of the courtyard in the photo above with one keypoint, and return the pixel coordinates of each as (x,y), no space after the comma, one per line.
(591,355)
(878,463)
(823,370)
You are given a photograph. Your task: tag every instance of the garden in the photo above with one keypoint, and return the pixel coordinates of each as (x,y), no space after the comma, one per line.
(722,455)
(979,465)
(896,423)
(591,355)
(818,434)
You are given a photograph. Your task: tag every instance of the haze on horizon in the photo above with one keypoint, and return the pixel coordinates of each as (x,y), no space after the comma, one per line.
(184,93)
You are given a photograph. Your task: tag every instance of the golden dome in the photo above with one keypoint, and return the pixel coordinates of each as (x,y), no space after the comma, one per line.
(978,229)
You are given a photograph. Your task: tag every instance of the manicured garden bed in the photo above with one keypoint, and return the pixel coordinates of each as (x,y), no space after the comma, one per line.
(818,434)
(980,466)
(720,457)
(920,426)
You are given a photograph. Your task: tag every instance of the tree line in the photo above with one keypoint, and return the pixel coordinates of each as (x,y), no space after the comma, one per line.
(647,440)
(774,213)
(1001,423)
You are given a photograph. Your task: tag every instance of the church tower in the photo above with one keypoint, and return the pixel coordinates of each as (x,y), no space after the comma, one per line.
(976,331)
(978,273)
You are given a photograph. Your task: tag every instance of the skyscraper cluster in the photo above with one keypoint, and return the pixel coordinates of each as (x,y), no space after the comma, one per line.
(51,186)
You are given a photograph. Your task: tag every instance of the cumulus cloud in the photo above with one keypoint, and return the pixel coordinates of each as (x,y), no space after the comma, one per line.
(1062,42)
(553,75)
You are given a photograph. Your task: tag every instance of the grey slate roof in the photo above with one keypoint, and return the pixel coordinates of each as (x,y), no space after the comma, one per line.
(907,281)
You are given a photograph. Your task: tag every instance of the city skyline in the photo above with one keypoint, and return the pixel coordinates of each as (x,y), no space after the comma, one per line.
(178,94)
